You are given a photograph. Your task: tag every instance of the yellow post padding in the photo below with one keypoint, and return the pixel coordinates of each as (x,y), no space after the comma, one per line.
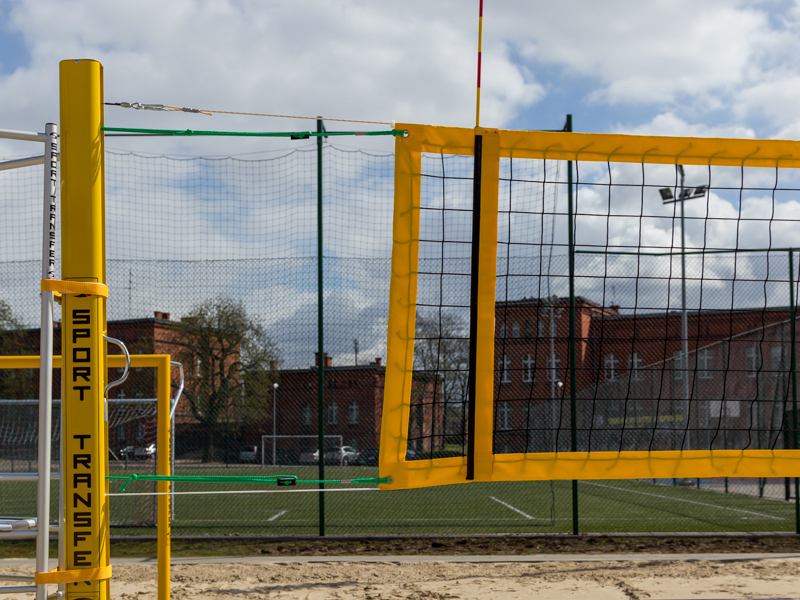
(86,288)
(487,278)
(498,145)
(84,351)
(76,575)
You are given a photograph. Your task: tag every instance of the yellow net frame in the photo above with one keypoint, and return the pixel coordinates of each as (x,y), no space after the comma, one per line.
(497,144)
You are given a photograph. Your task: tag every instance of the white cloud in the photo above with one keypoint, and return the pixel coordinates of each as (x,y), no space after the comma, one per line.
(672,125)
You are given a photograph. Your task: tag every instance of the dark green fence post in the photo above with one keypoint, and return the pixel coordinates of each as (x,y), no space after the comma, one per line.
(320,323)
(573,379)
(793,359)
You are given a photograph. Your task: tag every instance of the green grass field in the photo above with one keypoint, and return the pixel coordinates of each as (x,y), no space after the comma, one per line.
(604,506)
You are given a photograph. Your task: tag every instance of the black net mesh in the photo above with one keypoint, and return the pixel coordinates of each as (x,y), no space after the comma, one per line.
(203,252)
(437,423)
(649,375)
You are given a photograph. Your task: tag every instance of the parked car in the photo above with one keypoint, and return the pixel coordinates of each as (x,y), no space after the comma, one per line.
(137,452)
(341,455)
(367,458)
(250,454)
(309,458)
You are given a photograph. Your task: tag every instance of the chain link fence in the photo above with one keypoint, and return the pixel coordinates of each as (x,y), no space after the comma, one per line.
(214,262)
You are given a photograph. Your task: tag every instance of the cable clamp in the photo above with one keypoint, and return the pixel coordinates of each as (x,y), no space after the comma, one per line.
(78,575)
(84,288)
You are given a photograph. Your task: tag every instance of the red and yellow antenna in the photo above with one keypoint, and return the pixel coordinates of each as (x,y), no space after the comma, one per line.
(480,37)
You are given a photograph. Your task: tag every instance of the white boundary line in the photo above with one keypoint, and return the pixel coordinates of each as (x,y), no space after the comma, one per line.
(283,512)
(749,512)
(244,492)
(516,510)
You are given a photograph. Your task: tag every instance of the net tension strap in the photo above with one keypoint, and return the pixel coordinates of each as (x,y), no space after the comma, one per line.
(281,480)
(295,135)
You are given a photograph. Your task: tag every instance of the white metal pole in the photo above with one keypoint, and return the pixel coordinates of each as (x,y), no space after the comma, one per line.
(274,424)
(46,357)
(553,427)
(25,136)
(21,162)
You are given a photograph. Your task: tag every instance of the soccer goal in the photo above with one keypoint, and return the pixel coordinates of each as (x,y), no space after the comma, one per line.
(294,449)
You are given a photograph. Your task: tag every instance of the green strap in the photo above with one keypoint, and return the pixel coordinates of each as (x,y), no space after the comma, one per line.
(241,479)
(298,135)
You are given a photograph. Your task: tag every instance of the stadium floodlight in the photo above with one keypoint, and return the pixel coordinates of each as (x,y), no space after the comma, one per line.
(689,193)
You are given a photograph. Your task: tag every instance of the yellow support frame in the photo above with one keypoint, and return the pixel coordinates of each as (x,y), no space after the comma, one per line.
(403,295)
(161,362)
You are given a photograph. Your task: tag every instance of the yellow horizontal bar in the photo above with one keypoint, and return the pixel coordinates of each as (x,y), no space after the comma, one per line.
(643,465)
(608,465)
(602,147)
(114,360)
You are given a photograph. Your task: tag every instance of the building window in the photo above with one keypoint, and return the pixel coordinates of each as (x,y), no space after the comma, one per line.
(505,368)
(333,414)
(751,361)
(528,366)
(528,329)
(501,329)
(352,412)
(778,364)
(540,328)
(611,367)
(705,364)
(504,416)
(554,367)
(306,414)
(677,366)
(515,329)
(635,366)
(121,434)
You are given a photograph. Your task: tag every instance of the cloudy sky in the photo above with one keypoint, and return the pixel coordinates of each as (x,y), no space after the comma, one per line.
(668,67)
(676,67)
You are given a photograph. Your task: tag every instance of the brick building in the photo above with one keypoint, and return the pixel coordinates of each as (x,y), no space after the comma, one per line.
(353,407)
(631,380)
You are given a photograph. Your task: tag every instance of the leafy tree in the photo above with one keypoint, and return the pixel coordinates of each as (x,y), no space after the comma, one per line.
(227,359)
(14,383)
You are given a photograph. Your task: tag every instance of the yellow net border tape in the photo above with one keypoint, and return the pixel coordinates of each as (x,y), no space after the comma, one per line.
(57,576)
(86,288)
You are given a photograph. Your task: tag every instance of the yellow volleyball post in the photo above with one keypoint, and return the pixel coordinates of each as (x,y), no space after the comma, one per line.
(84,369)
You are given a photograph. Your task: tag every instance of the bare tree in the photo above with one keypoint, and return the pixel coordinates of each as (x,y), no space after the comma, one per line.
(228,358)
(441,355)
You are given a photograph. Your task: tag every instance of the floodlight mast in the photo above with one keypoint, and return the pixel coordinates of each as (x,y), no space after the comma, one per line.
(667,198)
